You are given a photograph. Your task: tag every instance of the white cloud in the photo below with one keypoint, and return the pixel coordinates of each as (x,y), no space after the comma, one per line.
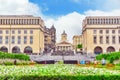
(102,13)
(71,23)
(10,7)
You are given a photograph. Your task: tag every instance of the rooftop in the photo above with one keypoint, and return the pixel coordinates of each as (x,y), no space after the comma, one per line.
(64,42)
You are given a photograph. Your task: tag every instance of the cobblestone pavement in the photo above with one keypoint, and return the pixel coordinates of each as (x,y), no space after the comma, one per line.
(58,58)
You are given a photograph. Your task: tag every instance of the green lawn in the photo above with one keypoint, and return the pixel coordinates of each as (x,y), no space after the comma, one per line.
(57,72)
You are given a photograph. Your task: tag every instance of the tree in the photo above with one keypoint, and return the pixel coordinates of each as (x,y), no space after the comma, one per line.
(79,46)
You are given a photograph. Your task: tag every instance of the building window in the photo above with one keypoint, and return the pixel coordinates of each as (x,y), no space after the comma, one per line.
(101,31)
(101,39)
(25,39)
(6,39)
(107,31)
(19,31)
(88,21)
(0,39)
(7,31)
(20,21)
(31,31)
(107,39)
(19,39)
(13,32)
(33,21)
(13,39)
(119,40)
(113,39)
(95,39)
(117,21)
(25,31)
(106,21)
(119,31)
(31,39)
(94,31)
(0,31)
(113,31)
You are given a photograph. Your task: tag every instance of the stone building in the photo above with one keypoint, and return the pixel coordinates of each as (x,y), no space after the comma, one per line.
(64,45)
(21,34)
(101,34)
(77,39)
(49,39)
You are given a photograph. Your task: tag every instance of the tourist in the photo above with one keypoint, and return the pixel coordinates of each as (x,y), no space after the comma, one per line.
(103,61)
(95,62)
(82,62)
(15,62)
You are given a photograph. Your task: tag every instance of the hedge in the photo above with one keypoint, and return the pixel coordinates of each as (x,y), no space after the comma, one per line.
(62,77)
(109,56)
(57,72)
(4,55)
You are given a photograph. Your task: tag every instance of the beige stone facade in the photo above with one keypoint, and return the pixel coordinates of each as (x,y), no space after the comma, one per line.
(77,39)
(101,34)
(21,34)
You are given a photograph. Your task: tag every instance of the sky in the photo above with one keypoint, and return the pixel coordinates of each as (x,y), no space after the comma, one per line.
(64,14)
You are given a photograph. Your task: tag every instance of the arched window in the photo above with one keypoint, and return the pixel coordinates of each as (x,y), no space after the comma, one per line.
(16,50)
(98,50)
(110,49)
(28,50)
(4,49)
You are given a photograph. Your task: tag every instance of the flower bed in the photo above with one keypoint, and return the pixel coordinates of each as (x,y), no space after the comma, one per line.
(57,72)
(11,62)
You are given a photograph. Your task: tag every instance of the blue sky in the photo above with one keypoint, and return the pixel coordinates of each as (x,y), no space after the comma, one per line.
(63,7)
(64,14)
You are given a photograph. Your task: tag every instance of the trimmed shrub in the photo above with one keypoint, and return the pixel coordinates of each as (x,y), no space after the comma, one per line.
(4,55)
(63,77)
(111,57)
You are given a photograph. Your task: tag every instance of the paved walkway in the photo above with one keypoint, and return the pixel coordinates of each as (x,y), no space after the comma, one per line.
(58,58)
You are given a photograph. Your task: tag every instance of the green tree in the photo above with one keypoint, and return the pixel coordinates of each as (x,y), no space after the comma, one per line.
(79,46)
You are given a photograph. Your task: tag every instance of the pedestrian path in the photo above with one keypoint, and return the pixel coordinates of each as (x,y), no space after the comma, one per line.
(58,58)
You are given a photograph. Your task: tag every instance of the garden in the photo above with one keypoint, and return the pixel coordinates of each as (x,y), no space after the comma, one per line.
(58,71)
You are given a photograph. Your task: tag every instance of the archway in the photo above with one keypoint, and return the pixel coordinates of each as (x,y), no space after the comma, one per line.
(4,49)
(28,50)
(98,50)
(15,49)
(110,49)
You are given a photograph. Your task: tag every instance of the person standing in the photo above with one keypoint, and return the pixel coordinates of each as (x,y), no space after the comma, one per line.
(103,61)
(15,62)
